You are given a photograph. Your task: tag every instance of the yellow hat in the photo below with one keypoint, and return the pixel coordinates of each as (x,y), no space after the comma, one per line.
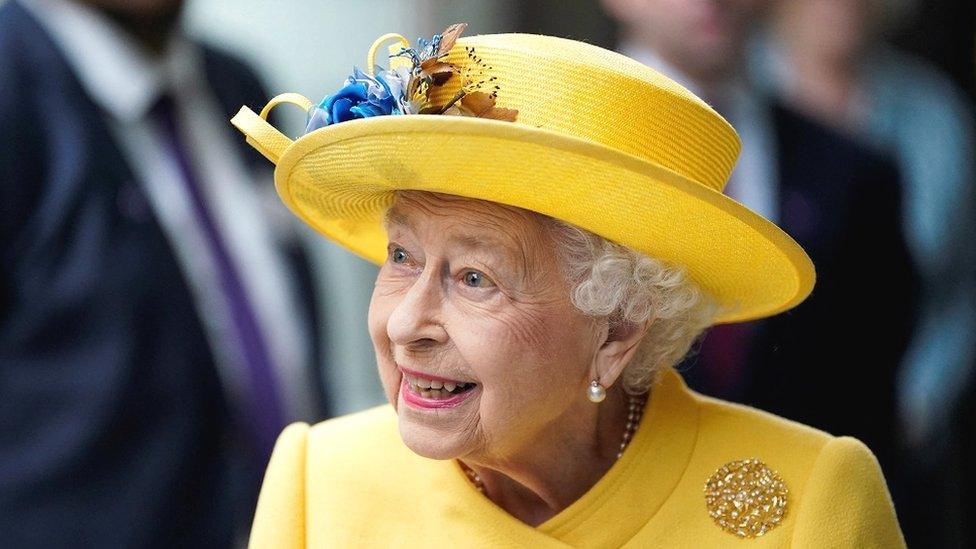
(569,130)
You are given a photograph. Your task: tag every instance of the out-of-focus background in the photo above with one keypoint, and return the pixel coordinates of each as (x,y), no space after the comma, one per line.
(137,232)
(310,47)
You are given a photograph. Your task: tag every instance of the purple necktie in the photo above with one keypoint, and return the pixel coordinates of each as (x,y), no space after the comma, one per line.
(263,413)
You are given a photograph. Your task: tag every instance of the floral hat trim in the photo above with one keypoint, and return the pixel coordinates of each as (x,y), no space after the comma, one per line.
(407,88)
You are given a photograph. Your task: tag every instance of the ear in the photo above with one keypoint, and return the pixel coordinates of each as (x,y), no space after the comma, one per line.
(618,348)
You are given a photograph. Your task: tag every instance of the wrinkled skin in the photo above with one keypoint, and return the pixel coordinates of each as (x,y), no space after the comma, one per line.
(473,291)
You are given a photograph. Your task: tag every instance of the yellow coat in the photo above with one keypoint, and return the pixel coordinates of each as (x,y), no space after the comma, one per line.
(351,482)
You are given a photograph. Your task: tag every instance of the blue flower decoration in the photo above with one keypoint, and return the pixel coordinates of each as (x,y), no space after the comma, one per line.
(362,96)
(406,88)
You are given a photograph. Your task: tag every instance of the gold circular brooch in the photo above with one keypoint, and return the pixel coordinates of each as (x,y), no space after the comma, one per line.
(746,498)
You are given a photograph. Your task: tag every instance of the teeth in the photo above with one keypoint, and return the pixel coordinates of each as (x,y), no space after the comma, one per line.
(429,388)
(420,382)
(435,393)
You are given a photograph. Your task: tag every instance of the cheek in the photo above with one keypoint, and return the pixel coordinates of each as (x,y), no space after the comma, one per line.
(536,335)
(376,319)
(528,383)
(380,307)
(526,361)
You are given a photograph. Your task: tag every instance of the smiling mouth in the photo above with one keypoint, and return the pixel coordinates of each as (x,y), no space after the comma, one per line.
(434,389)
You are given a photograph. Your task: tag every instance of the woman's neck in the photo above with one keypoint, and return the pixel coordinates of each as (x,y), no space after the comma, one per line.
(561,464)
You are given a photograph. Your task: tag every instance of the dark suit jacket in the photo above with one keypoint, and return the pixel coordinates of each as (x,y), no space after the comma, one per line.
(831,361)
(114,426)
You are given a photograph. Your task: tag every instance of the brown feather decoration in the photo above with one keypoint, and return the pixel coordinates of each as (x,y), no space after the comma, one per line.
(448,37)
(432,71)
(482,105)
(429,70)
(437,72)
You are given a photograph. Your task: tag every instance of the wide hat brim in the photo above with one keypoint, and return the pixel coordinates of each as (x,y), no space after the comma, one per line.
(341,179)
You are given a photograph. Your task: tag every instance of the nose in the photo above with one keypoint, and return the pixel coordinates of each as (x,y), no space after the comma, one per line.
(415,321)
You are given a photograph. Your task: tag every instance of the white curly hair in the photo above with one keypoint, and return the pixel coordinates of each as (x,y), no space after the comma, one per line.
(616,282)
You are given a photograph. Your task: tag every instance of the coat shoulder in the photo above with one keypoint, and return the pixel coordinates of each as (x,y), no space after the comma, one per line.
(279,520)
(354,430)
(365,441)
(757,428)
(316,465)
(837,494)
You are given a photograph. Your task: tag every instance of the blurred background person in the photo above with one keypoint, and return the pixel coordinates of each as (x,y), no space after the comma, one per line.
(829,59)
(156,319)
(839,199)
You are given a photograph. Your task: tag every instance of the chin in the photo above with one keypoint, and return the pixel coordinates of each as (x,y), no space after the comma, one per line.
(429,443)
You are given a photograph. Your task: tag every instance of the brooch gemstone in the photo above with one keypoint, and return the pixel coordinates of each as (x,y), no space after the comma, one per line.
(746,498)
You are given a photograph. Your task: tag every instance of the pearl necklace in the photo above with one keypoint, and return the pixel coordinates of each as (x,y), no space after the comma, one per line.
(635,410)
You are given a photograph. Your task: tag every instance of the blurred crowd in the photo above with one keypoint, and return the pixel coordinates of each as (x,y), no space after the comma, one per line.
(864,155)
(161,321)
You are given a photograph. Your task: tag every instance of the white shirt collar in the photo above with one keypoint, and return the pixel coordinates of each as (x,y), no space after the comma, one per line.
(114,69)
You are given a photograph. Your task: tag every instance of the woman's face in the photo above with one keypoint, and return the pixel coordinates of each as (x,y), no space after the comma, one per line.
(472,292)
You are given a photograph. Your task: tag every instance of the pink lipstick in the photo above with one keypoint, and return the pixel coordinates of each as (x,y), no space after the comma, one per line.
(416,400)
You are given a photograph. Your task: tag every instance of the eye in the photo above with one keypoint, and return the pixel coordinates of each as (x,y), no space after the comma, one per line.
(476,279)
(398,255)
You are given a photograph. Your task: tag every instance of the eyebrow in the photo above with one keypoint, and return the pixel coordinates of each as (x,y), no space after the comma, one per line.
(494,247)
(468,241)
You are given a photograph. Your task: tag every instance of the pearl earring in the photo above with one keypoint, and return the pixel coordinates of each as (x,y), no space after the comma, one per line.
(596,392)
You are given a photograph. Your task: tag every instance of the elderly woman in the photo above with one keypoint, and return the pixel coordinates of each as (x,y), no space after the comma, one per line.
(553,238)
